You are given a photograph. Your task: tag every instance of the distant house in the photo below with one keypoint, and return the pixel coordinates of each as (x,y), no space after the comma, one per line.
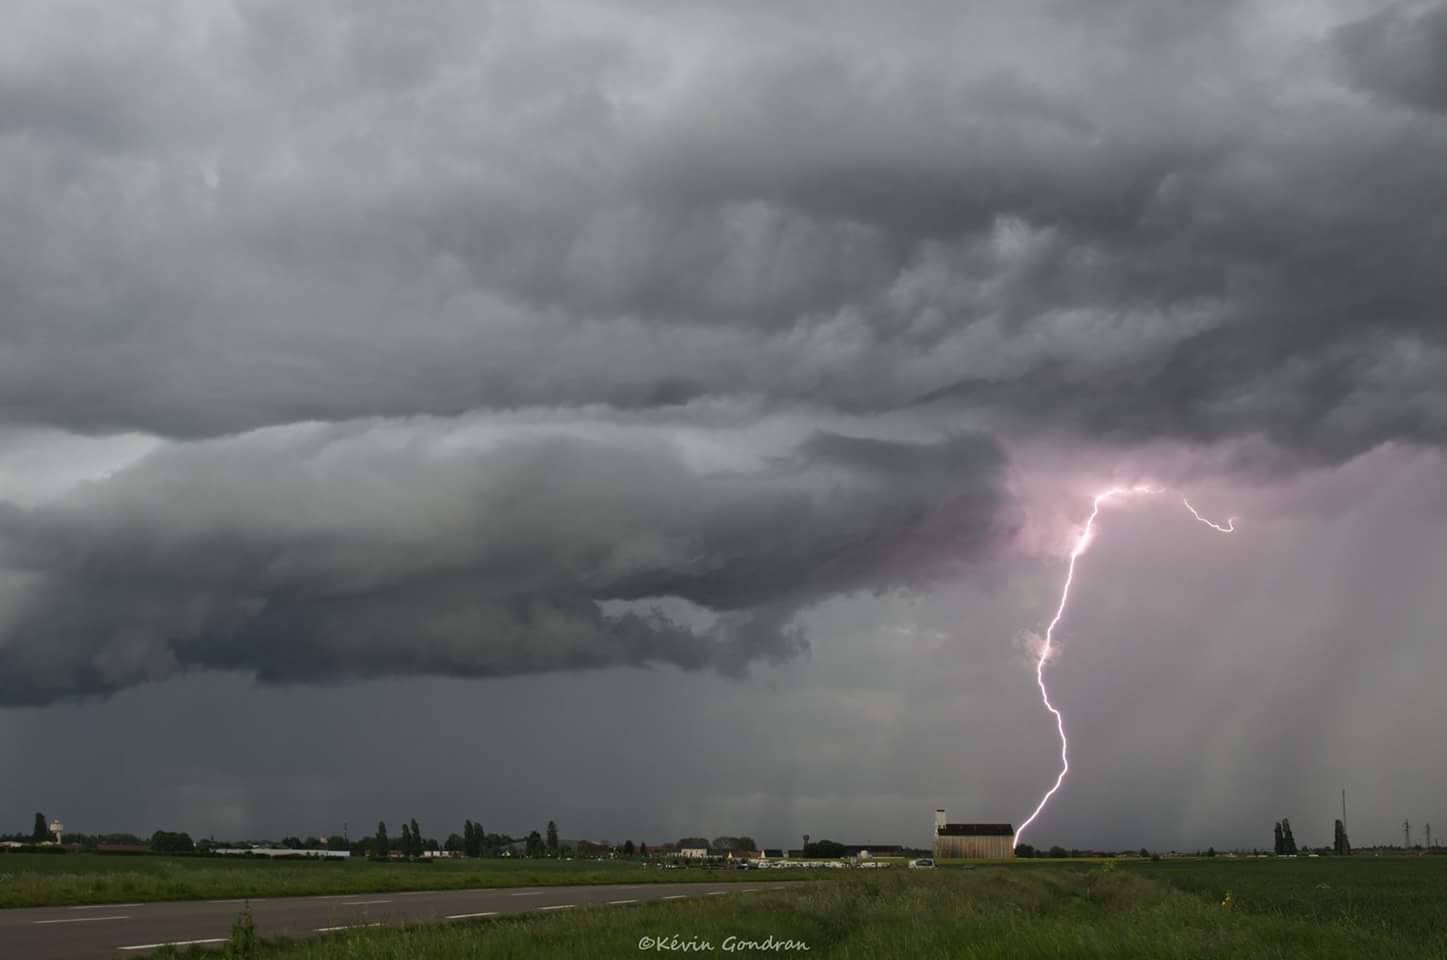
(772,853)
(693,853)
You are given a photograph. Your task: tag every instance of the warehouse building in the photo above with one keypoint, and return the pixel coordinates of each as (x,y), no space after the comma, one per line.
(973,841)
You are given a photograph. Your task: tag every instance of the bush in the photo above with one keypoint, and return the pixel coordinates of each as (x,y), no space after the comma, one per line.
(242,945)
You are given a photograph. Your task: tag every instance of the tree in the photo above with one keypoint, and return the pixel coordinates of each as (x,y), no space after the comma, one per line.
(534,844)
(417,843)
(379,845)
(405,845)
(454,844)
(291,843)
(164,841)
(1280,846)
(643,849)
(40,833)
(335,842)
(1058,852)
(825,849)
(1024,850)
(746,843)
(628,849)
(1340,840)
(552,839)
(724,843)
(1287,839)
(1210,851)
(692,843)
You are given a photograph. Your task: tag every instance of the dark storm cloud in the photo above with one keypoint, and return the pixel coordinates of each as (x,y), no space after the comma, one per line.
(1400,54)
(320,552)
(281,213)
(269,216)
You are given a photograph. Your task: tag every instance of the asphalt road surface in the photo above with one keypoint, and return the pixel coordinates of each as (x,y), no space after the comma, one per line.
(120,930)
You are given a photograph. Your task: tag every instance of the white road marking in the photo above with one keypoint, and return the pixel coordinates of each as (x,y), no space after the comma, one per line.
(171,943)
(718,893)
(469,916)
(559,906)
(677,896)
(345,926)
(240,900)
(362,903)
(81,919)
(106,906)
(531,893)
(749,890)
(622,901)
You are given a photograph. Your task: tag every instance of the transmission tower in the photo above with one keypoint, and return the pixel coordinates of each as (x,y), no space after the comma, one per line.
(1406,835)
(1429,836)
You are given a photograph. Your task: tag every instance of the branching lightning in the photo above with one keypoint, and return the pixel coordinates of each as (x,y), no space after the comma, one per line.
(1082,543)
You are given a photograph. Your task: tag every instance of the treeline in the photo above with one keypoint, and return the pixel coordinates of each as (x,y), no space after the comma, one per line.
(473,842)
(724,843)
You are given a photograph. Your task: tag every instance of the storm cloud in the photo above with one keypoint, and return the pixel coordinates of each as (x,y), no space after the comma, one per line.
(234,218)
(428,313)
(1400,54)
(317,552)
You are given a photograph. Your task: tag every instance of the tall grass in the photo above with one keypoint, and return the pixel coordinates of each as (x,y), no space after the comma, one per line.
(987,913)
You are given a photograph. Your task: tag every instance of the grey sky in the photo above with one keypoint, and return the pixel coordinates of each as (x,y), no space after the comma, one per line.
(713,389)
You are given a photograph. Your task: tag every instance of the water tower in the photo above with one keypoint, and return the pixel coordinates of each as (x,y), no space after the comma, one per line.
(57,828)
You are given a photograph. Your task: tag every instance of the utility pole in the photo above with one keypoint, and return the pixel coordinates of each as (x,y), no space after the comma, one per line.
(1429,836)
(1343,808)
(1406,835)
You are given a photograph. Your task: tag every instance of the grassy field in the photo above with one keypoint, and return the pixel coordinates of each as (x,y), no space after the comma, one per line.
(1361,908)
(39,880)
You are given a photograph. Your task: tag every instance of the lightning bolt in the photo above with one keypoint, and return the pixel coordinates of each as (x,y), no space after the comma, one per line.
(1082,543)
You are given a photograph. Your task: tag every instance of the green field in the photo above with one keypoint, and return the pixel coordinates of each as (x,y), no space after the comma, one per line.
(39,880)
(1358,908)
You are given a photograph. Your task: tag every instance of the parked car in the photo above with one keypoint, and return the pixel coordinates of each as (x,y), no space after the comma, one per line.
(923,863)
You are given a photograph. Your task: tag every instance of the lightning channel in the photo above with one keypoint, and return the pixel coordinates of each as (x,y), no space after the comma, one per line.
(1082,543)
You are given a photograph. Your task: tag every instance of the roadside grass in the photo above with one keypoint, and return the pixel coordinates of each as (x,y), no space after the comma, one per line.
(37,880)
(987,913)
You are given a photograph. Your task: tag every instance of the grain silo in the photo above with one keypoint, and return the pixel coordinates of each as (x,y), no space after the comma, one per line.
(973,841)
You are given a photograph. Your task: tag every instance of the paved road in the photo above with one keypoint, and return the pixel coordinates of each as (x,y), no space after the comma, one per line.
(114,931)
